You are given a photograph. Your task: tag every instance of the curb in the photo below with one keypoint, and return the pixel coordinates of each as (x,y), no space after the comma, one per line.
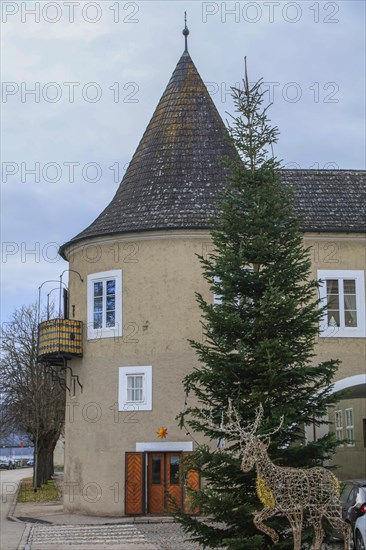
(23,545)
(121,521)
(11,516)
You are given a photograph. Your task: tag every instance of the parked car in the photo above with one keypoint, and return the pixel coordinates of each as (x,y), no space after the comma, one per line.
(30,462)
(353,499)
(359,532)
(7,465)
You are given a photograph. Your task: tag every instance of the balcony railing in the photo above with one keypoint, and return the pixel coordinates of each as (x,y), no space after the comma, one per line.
(60,339)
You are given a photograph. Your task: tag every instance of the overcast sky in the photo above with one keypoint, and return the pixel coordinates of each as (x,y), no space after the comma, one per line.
(98,70)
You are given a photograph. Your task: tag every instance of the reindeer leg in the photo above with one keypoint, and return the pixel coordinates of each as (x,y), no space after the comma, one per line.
(333,515)
(316,521)
(260,517)
(295,520)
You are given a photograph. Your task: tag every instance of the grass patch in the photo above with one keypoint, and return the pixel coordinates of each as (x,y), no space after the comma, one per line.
(47,492)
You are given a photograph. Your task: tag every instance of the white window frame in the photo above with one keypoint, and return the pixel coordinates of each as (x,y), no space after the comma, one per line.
(123,403)
(217,298)
(342,331)
(350,426)
(338,422)
(105,332)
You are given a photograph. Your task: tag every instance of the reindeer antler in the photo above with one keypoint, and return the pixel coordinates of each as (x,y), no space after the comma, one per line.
(234,427)
(258,419)
(275,430)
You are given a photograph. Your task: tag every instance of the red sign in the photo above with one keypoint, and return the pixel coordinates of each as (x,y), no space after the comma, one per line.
(22,444)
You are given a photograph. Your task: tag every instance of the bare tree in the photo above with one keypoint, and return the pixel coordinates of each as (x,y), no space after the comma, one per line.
(32,400)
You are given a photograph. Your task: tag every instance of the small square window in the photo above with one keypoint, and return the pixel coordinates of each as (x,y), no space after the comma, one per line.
(135,389)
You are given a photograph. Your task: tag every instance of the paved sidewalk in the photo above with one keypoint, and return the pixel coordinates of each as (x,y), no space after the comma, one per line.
(47,527)
(44,537)
(52,513)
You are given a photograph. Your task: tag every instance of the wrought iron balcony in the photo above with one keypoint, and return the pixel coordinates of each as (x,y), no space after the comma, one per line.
(59,340)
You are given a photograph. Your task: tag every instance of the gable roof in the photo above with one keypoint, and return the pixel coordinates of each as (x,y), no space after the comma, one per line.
(176,174)
(329,200)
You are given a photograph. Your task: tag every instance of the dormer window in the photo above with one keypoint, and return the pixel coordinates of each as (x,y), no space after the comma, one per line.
(105,304)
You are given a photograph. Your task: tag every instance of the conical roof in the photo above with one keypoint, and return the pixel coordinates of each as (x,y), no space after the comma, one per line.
(177,172)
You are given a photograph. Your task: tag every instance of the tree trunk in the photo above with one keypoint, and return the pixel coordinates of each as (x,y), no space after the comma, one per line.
(46,445)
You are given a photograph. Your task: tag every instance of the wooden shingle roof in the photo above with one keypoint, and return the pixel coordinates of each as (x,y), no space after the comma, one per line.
(329,200)
(176,174)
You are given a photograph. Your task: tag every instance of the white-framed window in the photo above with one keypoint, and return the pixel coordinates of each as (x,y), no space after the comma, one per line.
(343,292)
(350,431)
(105,304)
(135,388)
(217,298)
(338,418)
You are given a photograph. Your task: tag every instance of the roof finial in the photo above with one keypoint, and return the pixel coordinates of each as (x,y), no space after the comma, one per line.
(185,31)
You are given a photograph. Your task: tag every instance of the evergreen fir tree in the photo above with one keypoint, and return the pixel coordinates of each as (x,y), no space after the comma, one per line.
(259,337)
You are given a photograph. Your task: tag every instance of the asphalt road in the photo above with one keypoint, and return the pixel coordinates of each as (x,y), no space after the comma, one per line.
(11,532)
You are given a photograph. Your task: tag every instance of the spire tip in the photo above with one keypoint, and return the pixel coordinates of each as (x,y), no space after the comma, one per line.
(185,32)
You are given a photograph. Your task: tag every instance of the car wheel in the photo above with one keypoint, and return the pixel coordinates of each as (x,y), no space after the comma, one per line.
(359,543)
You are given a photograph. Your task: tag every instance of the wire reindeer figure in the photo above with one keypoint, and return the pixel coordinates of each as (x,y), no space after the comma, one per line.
(282,490)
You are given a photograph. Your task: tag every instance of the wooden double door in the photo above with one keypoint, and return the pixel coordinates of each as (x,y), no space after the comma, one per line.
(164,476)
(156,482)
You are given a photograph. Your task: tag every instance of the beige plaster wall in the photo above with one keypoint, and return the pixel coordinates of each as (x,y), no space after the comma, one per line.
(160,314)
(341,252)
(351,461)
(338,252)
(160,276)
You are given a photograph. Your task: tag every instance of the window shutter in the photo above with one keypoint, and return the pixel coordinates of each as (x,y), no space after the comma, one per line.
(192,482)
(134,486)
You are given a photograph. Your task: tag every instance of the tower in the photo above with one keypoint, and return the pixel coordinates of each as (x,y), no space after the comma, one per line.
(137,304)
